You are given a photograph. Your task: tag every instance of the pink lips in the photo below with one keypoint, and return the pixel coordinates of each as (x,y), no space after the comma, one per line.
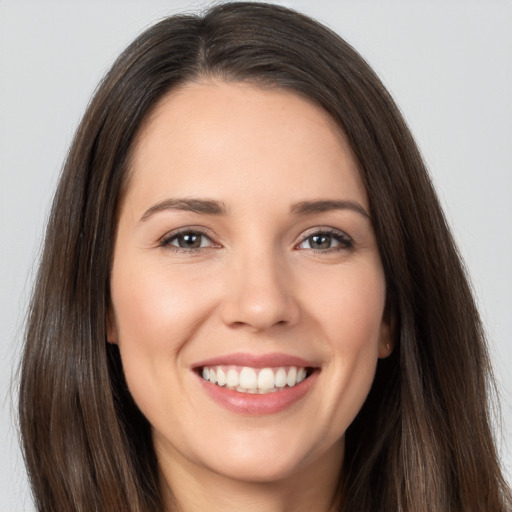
(256,404)
(256,361)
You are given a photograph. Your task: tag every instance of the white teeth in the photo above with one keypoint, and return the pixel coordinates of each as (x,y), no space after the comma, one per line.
(291,379)
(221,376)
(248,378)
(254,380)
(280,378)
(232,378)
(266,379)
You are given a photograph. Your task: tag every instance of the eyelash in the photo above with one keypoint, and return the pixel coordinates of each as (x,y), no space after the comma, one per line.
(345,242)
(167,240)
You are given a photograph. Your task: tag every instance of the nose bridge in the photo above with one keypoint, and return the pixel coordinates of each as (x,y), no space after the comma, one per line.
(259,292)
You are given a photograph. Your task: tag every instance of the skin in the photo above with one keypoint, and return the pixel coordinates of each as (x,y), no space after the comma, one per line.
(257,285)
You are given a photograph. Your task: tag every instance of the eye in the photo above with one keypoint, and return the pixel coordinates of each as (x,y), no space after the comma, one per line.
(325,240)
(187,240)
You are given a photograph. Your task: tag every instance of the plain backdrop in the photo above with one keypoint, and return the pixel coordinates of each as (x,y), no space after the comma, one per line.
(448,64)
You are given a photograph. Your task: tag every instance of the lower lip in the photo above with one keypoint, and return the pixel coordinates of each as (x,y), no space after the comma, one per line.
(254,404)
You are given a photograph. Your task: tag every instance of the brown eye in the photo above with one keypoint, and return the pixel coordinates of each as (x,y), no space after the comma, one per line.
(188,240)
(326,240)
(320,241)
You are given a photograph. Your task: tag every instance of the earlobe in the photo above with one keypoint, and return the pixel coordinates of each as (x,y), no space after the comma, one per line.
(385,345)
(387,335)
(385,350)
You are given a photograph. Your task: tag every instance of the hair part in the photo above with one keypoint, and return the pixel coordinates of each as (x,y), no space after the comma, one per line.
(422,440)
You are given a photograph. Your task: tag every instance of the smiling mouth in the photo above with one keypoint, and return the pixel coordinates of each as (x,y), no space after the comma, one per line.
(246,379)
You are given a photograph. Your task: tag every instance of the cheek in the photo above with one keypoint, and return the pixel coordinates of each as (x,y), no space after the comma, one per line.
(349,316)
(154,309)
(156,314)
(350,307)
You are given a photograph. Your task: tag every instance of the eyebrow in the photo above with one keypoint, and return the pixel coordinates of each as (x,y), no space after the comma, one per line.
(311,207)
(201,206)
(212,207)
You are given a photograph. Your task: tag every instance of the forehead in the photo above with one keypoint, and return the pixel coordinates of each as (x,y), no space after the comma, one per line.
(216,137)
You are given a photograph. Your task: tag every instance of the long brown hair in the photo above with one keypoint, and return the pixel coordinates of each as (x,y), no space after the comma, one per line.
(422,441)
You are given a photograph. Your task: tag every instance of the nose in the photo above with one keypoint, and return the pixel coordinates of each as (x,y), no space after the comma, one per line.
(259,294)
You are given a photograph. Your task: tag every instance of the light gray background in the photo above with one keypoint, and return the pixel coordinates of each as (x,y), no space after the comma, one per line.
(447,63)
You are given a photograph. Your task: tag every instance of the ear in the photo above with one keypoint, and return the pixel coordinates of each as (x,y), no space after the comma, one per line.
(112,331)
(387,334)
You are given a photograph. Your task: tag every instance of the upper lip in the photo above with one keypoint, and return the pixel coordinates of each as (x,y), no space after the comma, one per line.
(270,360)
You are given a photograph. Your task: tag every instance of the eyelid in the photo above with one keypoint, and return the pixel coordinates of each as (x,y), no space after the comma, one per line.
(165,240)
(341,236)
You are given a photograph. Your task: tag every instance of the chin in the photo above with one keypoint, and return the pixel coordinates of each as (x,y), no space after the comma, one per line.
(269,462)
(267,471)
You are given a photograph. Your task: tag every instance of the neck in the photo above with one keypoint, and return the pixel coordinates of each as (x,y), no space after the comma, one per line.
(189,488)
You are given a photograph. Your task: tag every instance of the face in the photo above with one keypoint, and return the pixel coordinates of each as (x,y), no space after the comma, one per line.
(247,288)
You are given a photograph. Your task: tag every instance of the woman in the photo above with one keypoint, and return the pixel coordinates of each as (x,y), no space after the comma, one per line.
(249,297)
